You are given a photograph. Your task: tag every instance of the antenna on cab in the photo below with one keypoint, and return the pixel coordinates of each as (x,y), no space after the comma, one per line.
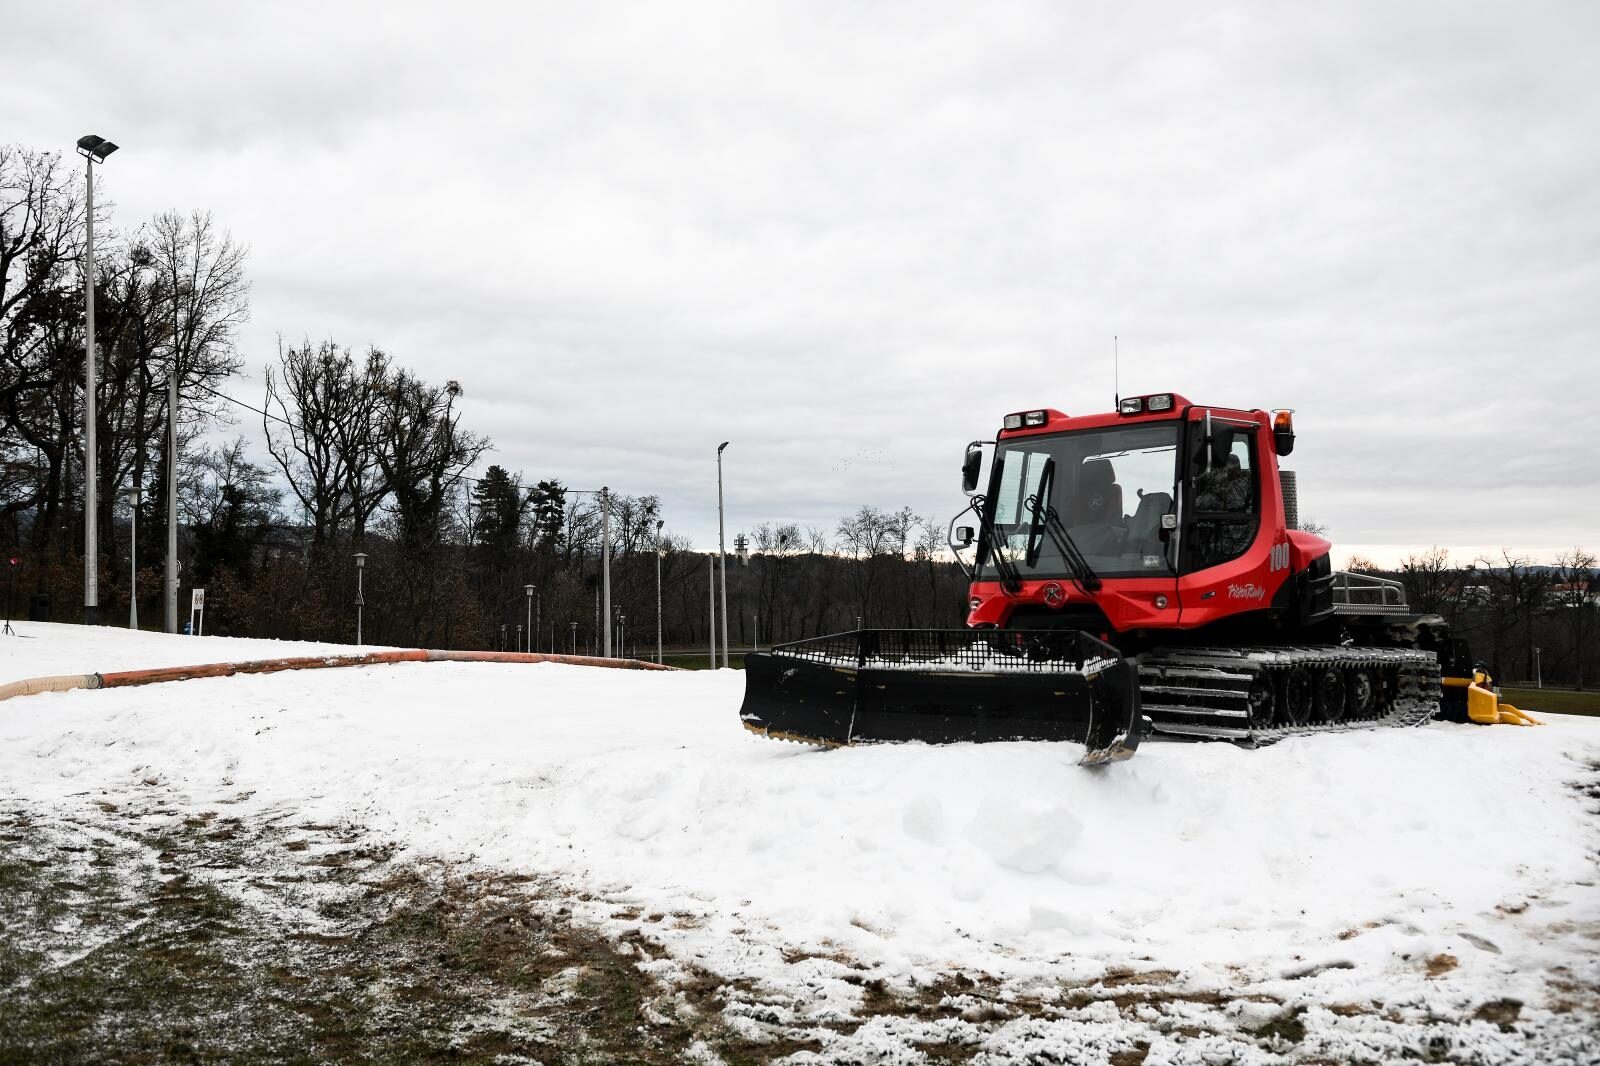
(1116,373)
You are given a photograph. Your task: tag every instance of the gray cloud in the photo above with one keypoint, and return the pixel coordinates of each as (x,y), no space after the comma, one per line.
(850,237)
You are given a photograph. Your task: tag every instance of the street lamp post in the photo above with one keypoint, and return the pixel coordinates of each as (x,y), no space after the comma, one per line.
(361,566)
(574,645)
(658,591)
(94,149)
(528,591)
(622,635)
(722,556)
(169,581)
(133,557)
(605,565)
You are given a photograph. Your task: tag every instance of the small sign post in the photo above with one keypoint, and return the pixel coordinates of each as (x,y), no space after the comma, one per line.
(197,612)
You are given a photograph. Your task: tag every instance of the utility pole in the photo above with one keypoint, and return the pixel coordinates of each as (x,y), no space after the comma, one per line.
(722,555)
(605,562)
(711,572)
(170,577)
(658,591)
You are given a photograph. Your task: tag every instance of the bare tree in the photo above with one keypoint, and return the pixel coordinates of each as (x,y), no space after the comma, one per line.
(423,453)
(1427,578)
(1574,593)
(41,345)
(322,432)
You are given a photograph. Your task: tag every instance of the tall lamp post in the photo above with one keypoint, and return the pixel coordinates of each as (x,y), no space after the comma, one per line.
(94,149)
(361,566)
(169,580)
(605,565)
(658,591)
(132,496)
(528,591)
(722,557)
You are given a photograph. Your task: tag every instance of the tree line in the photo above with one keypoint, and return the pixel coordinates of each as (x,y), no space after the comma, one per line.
(362,455)
(1525,619)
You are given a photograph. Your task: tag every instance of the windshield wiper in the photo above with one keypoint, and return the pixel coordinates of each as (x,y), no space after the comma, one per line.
(1010,581)
(1083,574)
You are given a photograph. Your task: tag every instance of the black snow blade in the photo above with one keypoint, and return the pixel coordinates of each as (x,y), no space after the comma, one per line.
(946,687)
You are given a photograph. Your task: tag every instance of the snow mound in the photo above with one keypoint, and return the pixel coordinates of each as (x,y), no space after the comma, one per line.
(1294,863)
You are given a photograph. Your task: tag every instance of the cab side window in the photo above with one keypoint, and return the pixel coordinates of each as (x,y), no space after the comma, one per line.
(1225,502)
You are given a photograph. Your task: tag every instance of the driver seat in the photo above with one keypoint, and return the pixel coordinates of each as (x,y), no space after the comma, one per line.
(1098,498)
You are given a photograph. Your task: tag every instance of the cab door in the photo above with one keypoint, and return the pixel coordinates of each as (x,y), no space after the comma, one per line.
(1222,506)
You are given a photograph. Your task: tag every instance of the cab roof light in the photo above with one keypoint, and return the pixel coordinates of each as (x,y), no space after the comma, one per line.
(1131,406)
(1026,418)
(1161,401)
(1283,420)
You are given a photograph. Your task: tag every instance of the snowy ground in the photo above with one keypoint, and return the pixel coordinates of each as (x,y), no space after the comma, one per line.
(1428,893)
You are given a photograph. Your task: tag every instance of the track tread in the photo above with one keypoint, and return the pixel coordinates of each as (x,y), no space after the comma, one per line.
(1225,677)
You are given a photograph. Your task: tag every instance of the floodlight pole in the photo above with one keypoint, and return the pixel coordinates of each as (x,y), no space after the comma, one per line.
(722,556)
(170,577)
(91,557)
(605,567)
(658,592)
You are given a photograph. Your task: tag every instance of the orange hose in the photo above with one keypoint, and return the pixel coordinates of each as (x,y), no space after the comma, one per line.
(160,674)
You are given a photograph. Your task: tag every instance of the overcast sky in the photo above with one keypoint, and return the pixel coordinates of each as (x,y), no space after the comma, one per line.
(848,237)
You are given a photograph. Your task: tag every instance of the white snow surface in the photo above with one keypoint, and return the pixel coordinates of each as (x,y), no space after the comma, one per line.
(1334,863)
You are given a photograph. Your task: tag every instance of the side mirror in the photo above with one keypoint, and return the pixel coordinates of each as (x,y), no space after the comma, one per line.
(969,469)
(964,535)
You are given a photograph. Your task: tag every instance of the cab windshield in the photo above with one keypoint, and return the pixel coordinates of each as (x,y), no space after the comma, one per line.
(1109,487)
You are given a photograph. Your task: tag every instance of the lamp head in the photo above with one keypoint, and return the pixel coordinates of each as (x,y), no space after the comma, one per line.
(721,446)
(361,560)
(95,147)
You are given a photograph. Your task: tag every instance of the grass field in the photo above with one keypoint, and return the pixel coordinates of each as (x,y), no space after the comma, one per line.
(1553,700)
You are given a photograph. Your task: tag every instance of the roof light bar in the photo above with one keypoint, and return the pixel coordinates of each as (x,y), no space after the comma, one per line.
(1029,419)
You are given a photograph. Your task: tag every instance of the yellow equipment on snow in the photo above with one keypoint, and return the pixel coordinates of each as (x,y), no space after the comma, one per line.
(1483,703)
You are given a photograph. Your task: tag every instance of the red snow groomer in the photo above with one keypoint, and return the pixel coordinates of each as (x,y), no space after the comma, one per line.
(1135,570)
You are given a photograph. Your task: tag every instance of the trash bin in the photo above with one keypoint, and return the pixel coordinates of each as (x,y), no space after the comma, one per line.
(39,607)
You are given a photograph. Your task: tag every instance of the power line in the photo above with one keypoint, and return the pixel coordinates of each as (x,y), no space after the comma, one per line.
(276,418)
